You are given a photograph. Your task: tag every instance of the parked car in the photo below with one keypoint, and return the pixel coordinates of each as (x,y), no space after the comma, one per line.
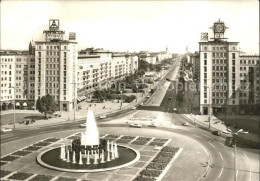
(57,115)
(217,133)
(141,103)
(83,125)
(185,124)
(152,125)
(7,130)
(21,122)
(133,108)
(102,116)
(148,96)
(136,125)
(175,109)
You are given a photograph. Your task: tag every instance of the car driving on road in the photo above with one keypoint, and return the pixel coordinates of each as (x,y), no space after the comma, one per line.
(185,124)
(133,108)
(83,125)
(136,125)
(217,133)
(103,116)
(7,130)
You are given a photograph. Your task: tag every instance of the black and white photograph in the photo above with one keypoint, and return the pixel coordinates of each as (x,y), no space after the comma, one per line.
(129,90)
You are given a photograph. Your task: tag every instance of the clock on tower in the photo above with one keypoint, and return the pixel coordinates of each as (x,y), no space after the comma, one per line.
(219,30)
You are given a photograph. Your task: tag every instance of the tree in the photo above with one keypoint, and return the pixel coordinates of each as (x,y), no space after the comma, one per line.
(46,105)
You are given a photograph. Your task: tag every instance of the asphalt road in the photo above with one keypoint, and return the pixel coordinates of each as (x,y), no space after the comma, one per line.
(221,165)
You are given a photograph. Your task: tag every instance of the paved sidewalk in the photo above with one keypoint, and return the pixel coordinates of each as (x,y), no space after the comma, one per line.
(217,124)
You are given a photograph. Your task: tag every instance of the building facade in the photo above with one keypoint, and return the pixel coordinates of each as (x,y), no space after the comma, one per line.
(221,73)
(56,67)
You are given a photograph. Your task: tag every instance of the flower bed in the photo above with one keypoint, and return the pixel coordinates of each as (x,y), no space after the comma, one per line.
(123,141)
(20,176)
(143,178)
(160,158)
(112,136)
(42,144)
(151,173)
(139,142)
(65,179)
(170,149)
(21,153)
(160,140)
(42,178)
(9,158)
(156,144)
(32,148)
(166,154)
(52,140)
(128,137)
(157,165)
(143,139)
(4,173)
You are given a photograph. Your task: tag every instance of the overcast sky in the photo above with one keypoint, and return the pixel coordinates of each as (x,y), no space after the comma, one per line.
(132,26)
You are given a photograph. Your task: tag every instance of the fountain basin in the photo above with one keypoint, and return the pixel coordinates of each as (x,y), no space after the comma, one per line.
(50,159)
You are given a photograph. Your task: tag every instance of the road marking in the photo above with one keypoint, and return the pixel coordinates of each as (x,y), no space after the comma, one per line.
(212,145)
(220,155)
(197,136)
(221,172)
(236,173)
(250,175)
(206,136)
(204,149)
(246,156)
(222,144)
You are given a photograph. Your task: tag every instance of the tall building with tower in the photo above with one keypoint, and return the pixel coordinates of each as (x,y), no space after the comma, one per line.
(56,66)
(220,77)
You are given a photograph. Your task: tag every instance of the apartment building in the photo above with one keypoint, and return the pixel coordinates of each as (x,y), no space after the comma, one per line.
(221,72)
(98,68)
(56,67)
(249,84)
(17,79)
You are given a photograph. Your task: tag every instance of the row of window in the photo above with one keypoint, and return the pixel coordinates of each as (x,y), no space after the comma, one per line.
(6,60)
(249,61)
(5,66)
(52,47)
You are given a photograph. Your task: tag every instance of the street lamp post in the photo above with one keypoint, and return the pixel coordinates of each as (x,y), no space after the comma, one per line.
(14,106)
(235,152)
(208,87)
(74,101)
(121,99)
(136,92)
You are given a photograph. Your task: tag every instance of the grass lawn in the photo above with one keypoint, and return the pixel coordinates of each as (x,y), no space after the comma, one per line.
(8,118)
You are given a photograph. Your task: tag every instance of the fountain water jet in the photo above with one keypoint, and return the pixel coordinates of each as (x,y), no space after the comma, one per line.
(105,154)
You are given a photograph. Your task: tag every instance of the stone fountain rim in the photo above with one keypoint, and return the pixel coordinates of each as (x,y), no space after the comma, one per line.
(39,160)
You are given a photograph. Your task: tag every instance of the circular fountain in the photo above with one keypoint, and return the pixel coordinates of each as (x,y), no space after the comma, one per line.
(89,153)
